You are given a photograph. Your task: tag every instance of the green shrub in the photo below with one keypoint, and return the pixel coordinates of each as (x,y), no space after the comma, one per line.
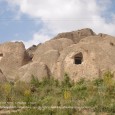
(28,97)
(98,82)
(34,81)
(98,94)
(66,83)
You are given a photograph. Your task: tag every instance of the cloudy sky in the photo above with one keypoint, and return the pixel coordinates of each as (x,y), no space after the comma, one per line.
(35,21)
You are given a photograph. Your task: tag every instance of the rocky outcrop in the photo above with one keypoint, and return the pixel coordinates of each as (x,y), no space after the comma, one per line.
(76,36)
(2,77)
(81,54)
(97,58)
(58,44)
(12,57)
(36,70)
(50,58)
(31,50)
(48,53)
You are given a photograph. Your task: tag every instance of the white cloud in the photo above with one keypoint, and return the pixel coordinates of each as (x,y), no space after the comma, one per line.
(67,15)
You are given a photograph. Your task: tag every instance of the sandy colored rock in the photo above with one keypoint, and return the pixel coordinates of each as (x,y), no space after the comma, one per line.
(31,50)
(12,56)
(76,36)
(38,70)
(56,44)
(42,68)
(60,55)
(98,57)
(2,77)
(80,54)
(50,58)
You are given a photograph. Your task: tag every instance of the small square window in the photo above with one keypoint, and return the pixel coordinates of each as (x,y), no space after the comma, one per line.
(78,59)
(1,54)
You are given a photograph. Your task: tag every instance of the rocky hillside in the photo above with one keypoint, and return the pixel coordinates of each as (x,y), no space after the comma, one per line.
(81,54)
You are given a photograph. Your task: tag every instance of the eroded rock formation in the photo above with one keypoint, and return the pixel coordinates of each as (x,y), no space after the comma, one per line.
(81,54)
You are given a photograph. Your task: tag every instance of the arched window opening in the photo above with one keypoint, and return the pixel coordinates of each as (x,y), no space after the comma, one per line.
(1,56)
(78,59)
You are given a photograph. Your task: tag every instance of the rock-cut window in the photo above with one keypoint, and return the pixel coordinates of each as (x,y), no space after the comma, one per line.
(78,58)
(1,56)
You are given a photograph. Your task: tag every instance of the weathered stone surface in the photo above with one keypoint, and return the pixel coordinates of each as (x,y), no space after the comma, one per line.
(2,77)
(76,36)
(81,54)
(31,50)
(98,57)
(50,58)
(38,70)
(13,56)
(58,44)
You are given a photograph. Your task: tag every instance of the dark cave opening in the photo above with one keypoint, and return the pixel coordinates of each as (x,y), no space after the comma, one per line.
(78,58)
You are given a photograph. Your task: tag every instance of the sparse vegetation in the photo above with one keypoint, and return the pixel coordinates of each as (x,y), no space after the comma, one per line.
(98,95)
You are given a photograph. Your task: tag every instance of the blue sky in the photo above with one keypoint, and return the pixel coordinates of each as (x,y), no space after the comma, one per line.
(14,28)
(34,21)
